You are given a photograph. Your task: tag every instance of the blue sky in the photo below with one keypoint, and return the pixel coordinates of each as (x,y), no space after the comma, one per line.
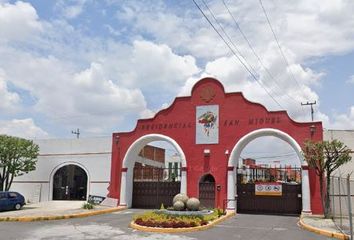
(101,65)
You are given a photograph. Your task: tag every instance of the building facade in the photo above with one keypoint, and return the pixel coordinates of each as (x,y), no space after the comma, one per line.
(209,130)
(68,169)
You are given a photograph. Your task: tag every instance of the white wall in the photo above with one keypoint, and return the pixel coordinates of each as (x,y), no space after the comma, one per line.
(347,137)
(92,154)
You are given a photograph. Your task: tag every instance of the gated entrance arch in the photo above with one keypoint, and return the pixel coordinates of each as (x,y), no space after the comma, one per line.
(234,163)
(209,129)
(126,189)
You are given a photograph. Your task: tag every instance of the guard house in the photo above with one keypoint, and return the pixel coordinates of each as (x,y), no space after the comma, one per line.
(209,129)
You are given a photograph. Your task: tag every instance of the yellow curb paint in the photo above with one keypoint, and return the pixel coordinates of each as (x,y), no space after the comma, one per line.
(59,217)
(179,230)
(323,232)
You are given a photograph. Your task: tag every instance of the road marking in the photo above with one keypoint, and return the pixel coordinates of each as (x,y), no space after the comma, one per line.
(280,229)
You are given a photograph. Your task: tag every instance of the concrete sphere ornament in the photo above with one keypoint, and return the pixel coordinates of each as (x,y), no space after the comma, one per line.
(178,206)
(193,204)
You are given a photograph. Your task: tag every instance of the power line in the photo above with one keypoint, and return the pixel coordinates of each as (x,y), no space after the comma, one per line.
(233,52)
(228,37)
(254,52)
(275,156)
(276,39)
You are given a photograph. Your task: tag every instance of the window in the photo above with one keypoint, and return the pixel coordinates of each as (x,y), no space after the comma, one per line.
(12,195)
(2,196)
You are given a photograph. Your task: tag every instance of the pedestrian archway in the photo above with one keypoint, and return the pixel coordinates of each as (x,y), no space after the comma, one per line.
(207,191)
(70,183)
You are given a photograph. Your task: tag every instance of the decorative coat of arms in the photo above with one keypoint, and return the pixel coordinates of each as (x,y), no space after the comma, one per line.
(207,127)
(208,121)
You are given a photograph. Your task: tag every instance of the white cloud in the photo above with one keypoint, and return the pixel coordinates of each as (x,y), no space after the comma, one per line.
(78,80)
(350,80)
(343,121)
(18,21)
(71,9)
(305,28)
(94,89)
(9,100)
(67,96)
(25,128)
(156,65)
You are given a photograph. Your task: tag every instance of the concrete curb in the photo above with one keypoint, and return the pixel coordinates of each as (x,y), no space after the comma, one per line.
(322,231)
(179,230)
(59,217)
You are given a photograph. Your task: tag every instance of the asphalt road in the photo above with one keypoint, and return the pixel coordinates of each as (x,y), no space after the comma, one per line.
(115,226)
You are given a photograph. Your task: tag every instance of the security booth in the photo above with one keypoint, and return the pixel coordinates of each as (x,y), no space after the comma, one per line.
(209,130)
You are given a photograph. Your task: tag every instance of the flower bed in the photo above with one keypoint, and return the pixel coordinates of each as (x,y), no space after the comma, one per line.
(162,219)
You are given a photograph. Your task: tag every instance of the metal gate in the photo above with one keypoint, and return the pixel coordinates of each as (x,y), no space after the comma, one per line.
(70,183)
(207,191)
(269,191)
(207,194)
(155,186)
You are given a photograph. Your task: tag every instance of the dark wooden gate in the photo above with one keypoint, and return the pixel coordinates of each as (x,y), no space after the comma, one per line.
(153,194)
(207,194)
(288,203)
(155,186)
(207,191)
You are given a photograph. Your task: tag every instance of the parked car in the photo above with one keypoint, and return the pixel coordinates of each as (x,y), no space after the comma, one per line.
(11,200)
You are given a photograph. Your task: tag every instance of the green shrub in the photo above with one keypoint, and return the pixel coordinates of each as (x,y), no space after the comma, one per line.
(87,205)
(163,220)
(220,212)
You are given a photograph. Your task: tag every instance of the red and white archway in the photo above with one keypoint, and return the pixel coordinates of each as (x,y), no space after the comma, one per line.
(233,163)
(238,122)
(126,188)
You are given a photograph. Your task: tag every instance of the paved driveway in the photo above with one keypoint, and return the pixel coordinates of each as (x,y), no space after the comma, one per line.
(115,226)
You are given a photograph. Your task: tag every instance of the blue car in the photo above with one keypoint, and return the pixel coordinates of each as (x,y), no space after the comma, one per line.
(11,200)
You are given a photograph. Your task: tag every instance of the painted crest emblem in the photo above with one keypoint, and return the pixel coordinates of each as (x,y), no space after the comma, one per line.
(208,120)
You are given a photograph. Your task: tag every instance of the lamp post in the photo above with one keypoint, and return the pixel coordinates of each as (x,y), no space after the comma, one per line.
(312,130)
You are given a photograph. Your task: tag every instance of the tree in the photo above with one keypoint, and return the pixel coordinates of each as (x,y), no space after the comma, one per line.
(325,157)
(17,157)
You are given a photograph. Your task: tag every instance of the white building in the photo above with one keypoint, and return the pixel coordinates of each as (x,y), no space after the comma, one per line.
(68,169)
(347,137)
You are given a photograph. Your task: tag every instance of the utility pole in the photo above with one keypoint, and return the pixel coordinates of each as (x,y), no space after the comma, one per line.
(77,133)
(311,104)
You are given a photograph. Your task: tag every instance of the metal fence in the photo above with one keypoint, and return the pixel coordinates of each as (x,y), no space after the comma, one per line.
(156,174)
(290,175)
(341,194)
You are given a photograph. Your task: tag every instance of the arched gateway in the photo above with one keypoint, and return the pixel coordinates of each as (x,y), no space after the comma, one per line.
(209,129)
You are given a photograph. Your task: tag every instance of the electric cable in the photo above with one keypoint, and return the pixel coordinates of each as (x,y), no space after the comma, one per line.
(277,41)
(256,55)
(233,52)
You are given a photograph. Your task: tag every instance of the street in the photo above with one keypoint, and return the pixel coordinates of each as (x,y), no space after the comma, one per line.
(115,226)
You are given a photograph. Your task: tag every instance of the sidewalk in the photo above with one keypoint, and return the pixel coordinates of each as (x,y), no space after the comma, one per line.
(321,226)
(54,210)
